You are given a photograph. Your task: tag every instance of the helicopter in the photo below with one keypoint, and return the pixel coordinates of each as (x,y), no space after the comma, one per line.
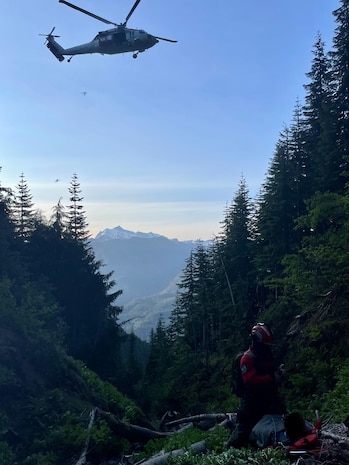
(119,39)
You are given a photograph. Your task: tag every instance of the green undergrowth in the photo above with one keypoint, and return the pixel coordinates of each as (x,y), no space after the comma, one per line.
(233,457)
(214,439)
(215,443)
(335,404)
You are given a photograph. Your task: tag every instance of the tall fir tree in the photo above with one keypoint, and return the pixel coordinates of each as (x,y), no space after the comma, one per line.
(76,219)
(58,219)
(155,381)
(10,265)
(194,312)
(22,209)
(300,159)
(60,251)
(320,134)
(277,210)
(340,72)
(320,265)
(185,302)
(234,267)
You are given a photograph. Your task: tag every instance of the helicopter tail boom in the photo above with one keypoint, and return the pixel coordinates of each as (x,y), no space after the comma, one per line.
(55,49)
(53,46)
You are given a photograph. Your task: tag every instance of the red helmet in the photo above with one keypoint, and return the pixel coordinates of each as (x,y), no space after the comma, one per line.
(262,333)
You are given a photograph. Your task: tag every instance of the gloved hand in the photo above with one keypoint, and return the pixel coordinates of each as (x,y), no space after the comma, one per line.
(281,369)
(278,374)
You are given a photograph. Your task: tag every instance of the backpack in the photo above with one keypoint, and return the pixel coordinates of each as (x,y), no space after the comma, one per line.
(303,436)
(238,386)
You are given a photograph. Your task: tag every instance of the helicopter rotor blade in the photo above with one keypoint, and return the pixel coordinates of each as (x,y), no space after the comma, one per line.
(88,13)
(49,35)
(167,40)
(136,3)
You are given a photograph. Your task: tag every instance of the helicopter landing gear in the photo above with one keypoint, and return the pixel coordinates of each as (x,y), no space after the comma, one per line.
(135,55)
(69,59)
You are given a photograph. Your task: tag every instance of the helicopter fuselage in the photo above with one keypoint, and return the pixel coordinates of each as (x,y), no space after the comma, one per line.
(119,39)
(111,41)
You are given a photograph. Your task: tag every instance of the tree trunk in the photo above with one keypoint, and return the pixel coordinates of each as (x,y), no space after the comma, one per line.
(198,447)
(216,417)
(132,433)
(82,458)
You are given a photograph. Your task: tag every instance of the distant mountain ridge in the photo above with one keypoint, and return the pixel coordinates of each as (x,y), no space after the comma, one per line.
(146,268)
(120,233)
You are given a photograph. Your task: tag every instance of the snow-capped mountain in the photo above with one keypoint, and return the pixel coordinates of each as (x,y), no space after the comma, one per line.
(146,267)
(120,233)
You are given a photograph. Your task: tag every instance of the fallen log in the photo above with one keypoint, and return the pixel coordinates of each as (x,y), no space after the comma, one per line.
(130,432)
(198,447)
(83,457)
(334,437)
(216,417)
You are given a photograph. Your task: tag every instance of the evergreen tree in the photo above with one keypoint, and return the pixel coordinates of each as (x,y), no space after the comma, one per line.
(235,277)
(320,137)
(194,312)
(316,279)
(340,72)
(83,292)
(22,210)
(281,202)
(159,350)
(185,301)
(10,262)
(155,385)
(133,364)
(77,224)
(320,265)
(275,213)
(300,161)
(194,324)
(58,219)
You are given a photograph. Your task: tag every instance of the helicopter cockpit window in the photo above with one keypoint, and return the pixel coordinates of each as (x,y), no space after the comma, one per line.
(105,38)
(141,31)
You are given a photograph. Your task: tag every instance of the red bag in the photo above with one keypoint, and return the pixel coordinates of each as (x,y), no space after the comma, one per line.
(307,445)
(308,442)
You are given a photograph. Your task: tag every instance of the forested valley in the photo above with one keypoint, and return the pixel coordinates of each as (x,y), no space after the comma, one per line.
(281,258)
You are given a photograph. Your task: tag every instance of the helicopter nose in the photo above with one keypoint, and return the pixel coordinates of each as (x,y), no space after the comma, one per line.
(153,39)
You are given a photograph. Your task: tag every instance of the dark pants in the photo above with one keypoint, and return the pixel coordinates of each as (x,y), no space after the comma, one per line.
(250,412)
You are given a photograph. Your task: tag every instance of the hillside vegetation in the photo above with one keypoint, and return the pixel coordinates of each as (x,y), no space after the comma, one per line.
(281,258)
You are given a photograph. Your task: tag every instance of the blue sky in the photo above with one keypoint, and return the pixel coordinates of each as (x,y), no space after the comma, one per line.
(158,143)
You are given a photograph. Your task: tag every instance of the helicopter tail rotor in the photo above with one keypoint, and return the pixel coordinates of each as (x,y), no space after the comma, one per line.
(49,35)
(53,46)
